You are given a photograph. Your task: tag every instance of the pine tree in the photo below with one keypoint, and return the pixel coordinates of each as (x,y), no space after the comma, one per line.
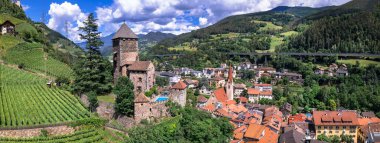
(124,96)
(92,72)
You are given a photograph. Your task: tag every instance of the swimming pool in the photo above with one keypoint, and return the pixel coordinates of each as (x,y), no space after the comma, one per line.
(160,99)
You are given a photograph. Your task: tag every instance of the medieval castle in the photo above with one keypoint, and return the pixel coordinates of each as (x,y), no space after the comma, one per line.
(142,74)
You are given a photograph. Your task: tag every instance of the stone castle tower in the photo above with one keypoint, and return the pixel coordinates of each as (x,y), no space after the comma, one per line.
(125,50)
(126,60)
(230,84)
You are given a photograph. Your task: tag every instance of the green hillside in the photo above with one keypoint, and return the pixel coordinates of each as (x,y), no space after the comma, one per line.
(256,32)
(338,30)
(33,57)
(27,101)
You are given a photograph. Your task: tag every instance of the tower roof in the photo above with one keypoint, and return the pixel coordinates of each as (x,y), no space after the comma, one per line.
(141,98)
(230,74)
(125,32)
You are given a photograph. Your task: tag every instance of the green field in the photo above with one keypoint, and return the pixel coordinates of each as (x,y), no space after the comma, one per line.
(34,58)
(107,98)
(183,47)
(7,42)
(275,41)
(25,100)
(5,17)
(289,33)
(81,136)
(269,26)
(363,63)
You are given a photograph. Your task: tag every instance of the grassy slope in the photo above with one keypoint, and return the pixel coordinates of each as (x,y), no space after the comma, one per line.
(363,63)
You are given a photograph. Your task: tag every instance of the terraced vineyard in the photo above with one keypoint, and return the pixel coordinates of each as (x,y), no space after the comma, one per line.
(33,58)
(82,136)
(25,100)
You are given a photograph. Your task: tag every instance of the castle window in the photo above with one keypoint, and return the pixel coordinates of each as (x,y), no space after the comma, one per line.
(139,88)
(150,109)
(140,79)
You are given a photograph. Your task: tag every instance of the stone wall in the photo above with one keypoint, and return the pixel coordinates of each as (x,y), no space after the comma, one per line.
(27,133)
(105,110)
(150,111)
(84,100)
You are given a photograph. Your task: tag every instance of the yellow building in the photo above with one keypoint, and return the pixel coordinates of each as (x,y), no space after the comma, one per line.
(337,123)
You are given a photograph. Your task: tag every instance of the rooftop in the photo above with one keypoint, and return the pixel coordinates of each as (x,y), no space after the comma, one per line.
(125,32)
(140,66)
(335,118)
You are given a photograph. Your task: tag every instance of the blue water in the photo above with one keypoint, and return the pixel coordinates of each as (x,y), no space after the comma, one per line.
(160,99)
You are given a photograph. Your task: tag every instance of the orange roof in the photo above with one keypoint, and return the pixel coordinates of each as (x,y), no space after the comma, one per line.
(243,99)
(297,118)
(238,136)
(141,98)
(209,107)
(335,118)
(366,121)
(266,93)
(221,95)
(231,102)
(179,85)
(223,113)
(253,91)
(254,131)
(269,137)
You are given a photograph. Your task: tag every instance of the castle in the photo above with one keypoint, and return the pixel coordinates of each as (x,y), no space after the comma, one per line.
(142,74)
(126,60)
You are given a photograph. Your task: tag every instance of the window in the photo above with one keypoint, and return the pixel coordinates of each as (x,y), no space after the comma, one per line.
(139,88)
(319,127)
(140,79)
(330,132)
(319,131)
(337,127)
(331,127)
(344,127)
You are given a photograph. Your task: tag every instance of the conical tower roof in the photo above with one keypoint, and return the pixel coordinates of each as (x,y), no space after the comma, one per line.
(125,32)
(141,98)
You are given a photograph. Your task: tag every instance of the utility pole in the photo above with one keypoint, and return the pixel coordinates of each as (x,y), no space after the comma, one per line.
(67,29)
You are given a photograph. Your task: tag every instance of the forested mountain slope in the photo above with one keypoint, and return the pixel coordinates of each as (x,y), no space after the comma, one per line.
(350,28)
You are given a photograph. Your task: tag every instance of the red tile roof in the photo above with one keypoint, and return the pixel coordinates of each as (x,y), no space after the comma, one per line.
(230,102)
(335,118)
(210,107)
(243,99)
(297,118)
(254,131)
(269,137)
(221,95)
(179,85)
(140,66)
(253,91)
(202,99)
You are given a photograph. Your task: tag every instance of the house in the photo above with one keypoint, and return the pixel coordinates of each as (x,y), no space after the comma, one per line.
(342,72)
(370,133)
(253,95)
(260,134)
(293,136)
(263,70)
(217,81)
(201,101)
(263,87)
(173,78)
(238,89)
(286,109)
(7,28)
(191,83)
(297,118)
(225,73)
(244,66)
(204,90)
(319,71)
(197,74)
(183,71)
(292,77)
(178,93)
(336,123)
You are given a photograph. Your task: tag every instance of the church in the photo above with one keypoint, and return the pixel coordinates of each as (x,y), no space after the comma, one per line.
(126,61)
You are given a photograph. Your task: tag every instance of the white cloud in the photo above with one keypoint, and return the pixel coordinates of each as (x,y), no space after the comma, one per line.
(203,21)
(69,13)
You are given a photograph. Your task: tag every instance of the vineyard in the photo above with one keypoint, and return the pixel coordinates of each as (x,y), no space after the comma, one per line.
(82,136)
(32,57)
(25,100)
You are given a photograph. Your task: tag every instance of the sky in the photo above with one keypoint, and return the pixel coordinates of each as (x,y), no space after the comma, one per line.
(143,16)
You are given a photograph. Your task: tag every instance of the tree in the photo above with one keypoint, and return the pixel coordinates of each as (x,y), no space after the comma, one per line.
(93,100)
(123,90)
(244,93)
(332,104)
(346,139)
(92,72)
(162,81)
(323,137)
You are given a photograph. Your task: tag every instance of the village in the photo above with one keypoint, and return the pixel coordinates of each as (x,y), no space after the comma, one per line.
(222,97)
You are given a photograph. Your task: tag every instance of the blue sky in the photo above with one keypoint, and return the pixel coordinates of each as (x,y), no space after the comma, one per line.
(143,16)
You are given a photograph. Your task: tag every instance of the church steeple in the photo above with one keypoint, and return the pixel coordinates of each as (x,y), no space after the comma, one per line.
(230,84)
(125,32)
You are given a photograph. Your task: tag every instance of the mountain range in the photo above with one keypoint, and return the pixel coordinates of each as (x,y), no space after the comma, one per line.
(145,41)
